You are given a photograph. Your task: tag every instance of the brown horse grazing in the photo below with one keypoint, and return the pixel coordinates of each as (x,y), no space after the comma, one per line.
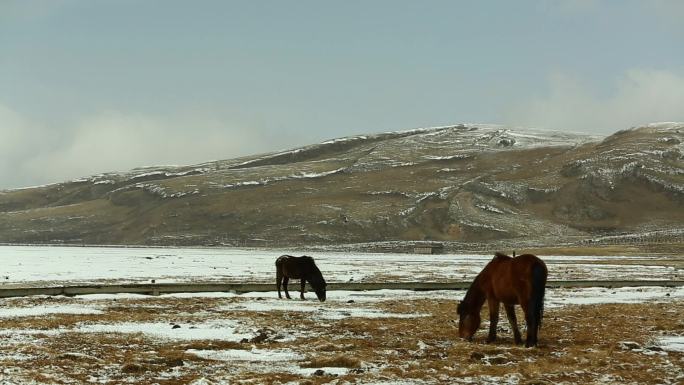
(302,268)
(519,280)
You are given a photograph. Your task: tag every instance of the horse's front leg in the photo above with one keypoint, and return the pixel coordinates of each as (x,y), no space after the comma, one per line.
(493,318)
(510,312)
(285,281)
(301,291)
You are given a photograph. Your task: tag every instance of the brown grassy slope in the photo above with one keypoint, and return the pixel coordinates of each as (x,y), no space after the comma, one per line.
(458,184)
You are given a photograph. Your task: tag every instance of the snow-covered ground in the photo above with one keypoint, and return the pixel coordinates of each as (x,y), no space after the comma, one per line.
(38,265)
(340,304)
(672,343)
(216,338)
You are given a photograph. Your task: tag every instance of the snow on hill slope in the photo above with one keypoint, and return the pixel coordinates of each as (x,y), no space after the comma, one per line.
(467,183)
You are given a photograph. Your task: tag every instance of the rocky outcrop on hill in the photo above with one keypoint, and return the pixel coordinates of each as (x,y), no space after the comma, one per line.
(462,184)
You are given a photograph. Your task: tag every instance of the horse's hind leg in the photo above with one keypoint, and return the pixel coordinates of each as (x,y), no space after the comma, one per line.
(532,328)
(279,279)
(285,281)
(493,318)
(531,338)
(301,290)
(531,332)
(510,312)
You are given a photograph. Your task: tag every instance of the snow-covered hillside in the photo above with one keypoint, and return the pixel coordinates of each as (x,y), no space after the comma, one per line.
(463,184)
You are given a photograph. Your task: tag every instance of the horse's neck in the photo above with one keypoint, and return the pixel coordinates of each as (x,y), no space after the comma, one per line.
(475,296)
(313,272)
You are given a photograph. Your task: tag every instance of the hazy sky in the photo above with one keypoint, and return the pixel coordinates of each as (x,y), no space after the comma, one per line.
(89,86)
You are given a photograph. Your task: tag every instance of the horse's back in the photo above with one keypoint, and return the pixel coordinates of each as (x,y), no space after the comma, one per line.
(509,277)
(527,263)
(528,270)
(285,266)
(294,267)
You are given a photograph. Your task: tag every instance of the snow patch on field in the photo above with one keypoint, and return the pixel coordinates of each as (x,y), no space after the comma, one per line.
(22,334)
(328,370)
(509,379)
(254,355)
(672,343)
(110,297)
(40,310)
(555,297)
(597,295)
(201,295)
(216,330)
(329,310)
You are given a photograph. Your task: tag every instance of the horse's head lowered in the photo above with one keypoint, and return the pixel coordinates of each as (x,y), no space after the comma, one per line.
(318,284)
(315,278)
(468,321)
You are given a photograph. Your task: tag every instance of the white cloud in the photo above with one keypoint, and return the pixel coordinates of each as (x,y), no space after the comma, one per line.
(639,96)
(20,139)
(33,153)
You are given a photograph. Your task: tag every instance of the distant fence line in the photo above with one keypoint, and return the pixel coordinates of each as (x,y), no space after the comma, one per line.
(170,288)
(639,239)
(652,237)
(656,237)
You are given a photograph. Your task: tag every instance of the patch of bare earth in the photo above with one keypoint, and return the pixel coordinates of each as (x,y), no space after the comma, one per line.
(587,344)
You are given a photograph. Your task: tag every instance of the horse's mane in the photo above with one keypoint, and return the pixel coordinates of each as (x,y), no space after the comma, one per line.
(317,275)
(474,291)
(475,296)
(309,261)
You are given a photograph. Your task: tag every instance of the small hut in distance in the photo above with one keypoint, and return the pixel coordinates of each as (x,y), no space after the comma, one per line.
(427,247)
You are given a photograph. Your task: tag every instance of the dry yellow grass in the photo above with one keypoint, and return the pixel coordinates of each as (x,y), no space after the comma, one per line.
(578,345)
(337,361)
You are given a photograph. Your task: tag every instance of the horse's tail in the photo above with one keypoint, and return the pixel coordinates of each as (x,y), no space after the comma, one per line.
(539,274)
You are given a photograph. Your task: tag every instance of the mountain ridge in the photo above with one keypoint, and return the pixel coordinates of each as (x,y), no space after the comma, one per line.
(461,184)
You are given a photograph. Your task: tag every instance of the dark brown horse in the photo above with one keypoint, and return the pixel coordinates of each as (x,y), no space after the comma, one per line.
(519,280)
(302,268)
